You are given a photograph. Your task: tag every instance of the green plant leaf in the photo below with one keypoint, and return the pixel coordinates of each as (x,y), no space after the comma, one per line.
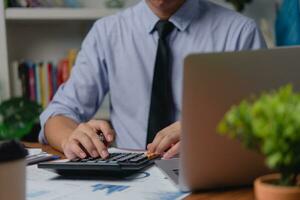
(17,117)
(269,124)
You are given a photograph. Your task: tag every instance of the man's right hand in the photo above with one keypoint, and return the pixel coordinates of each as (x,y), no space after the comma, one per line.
(85,140)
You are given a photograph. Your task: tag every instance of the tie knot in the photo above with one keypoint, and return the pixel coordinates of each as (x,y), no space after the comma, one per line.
(164,28)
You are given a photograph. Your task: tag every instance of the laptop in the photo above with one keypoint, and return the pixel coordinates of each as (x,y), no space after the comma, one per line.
(212,84)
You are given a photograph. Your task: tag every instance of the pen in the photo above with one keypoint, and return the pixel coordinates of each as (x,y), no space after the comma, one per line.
(41,158)
(102,138)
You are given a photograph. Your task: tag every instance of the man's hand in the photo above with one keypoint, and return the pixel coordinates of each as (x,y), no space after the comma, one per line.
(85,140)
(167,141)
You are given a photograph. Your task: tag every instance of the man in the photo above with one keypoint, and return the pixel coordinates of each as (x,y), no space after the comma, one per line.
(137,55)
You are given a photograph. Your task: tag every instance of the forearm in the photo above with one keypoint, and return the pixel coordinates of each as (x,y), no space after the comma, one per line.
(58,129)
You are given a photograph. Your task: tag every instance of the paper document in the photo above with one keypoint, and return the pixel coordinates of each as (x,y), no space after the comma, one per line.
(149,184)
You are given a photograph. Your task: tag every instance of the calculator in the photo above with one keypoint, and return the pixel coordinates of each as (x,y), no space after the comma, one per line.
(117,164)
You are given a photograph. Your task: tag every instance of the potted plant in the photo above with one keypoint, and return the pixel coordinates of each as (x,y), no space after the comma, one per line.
(270,124)
(17,118)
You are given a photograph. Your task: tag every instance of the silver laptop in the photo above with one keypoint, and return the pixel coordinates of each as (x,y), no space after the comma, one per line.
(212,84)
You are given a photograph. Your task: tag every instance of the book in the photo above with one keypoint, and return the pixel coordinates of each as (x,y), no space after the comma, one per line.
(45,85)
(54,79)
(31,72)
(71,59)
(38,84)
(65,70)
(50,81)
(15,80)
(42,82)
(24,77)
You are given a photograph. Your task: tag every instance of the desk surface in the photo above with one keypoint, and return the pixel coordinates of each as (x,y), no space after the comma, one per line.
(240,194)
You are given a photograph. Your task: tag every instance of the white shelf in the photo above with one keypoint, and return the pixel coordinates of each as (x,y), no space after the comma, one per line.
(57,13)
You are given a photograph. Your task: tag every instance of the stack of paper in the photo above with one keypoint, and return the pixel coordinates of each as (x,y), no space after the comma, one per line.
(150,184)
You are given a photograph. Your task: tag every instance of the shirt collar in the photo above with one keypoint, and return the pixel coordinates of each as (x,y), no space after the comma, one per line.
(181,18)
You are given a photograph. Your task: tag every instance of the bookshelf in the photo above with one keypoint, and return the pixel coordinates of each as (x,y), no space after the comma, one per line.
(44,34)
(23,14)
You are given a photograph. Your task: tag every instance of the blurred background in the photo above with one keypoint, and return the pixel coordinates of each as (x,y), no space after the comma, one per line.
(39,39)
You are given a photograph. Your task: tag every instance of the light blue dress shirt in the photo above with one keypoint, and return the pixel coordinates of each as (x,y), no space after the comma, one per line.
(118,56)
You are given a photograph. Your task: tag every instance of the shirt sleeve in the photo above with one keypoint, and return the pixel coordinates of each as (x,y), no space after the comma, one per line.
(250,37)
(80,97)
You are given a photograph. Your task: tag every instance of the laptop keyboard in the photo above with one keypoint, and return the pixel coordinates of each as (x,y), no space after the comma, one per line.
(176,171)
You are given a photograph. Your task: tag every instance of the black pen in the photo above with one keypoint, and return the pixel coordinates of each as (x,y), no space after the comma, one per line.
(102,138)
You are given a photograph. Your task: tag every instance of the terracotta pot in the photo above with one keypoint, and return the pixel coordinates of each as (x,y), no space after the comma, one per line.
(265,190)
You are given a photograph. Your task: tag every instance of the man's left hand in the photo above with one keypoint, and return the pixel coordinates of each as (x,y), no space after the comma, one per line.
(167,141)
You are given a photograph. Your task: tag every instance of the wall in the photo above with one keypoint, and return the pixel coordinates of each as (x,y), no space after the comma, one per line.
(263,11)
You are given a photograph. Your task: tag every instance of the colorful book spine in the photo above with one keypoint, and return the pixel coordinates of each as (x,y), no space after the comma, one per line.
(15,80)
(50,82)
(54,78)
(45,85)
(31,72)
(65,70)
(24,77)
(42,82)
(71,58)
(38,84)
(59,74)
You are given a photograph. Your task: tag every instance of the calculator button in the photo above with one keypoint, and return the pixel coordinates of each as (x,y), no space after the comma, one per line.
(75,160)
(112,155)
(130,156)
(138,159)
(117,157)
(84,160)
(101,161)
(91,161)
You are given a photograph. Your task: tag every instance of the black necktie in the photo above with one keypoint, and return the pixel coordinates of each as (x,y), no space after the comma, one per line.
(162,106)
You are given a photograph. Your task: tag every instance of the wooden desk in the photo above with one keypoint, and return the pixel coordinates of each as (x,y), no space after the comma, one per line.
(239,194)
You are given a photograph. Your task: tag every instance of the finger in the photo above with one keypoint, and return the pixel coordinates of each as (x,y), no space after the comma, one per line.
(166,143)
(86,143)
(70,154)
(159,136)
(73,150)
(105,128)
(173,151)
(92,134)
(149,146)
(100,146)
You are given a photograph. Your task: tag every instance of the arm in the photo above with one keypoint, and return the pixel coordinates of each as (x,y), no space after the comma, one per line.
(65,123)
(58,129)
